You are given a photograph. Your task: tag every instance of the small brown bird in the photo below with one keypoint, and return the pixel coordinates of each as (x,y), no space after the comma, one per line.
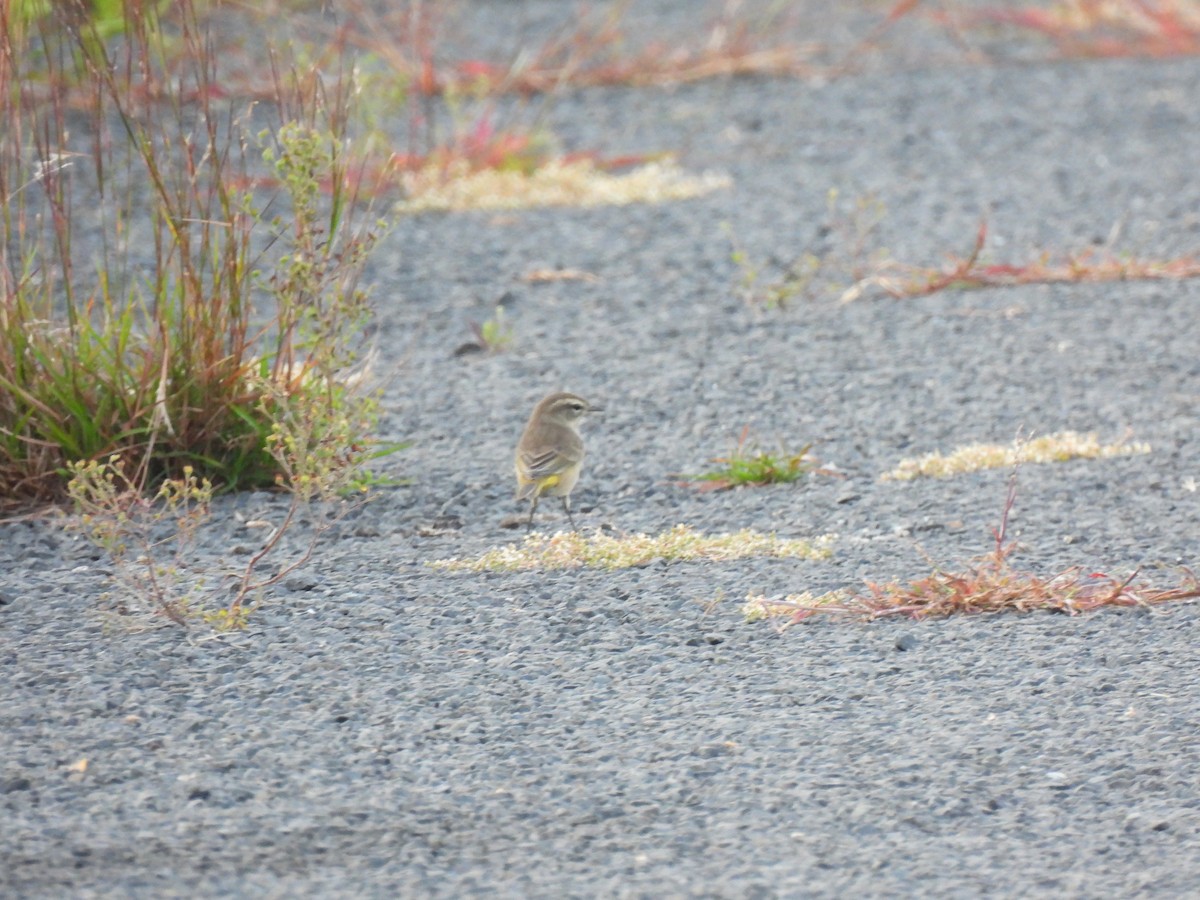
(550,452)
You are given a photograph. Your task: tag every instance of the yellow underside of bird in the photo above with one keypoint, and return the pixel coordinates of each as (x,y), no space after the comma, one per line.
(537,488)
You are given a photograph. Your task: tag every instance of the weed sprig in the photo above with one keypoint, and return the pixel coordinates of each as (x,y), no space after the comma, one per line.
(748,465)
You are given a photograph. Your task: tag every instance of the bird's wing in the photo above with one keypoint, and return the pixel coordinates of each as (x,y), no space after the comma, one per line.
(544,462)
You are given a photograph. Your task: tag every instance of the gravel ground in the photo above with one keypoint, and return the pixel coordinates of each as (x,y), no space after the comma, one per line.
(385,729)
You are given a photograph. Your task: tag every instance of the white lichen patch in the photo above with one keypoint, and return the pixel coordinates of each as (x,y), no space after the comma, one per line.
(1059,447)
(569,550)
(575,183)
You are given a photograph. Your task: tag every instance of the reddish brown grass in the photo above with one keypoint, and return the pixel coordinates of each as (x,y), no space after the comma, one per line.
(903,280)
(1104,28)
(991,584)
(594,52)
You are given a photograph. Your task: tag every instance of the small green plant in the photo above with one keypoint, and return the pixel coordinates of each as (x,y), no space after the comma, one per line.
(149,540)
(747,465)
(795,282)
(493,335)
(839,268)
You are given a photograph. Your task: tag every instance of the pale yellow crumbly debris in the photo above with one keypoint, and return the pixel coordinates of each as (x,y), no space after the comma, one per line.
(1060,447)
(758,607)
(543,276)
(568,550)
(577,183)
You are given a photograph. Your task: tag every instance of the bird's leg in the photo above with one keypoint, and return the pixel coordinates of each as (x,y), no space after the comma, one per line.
(532,510)
(567,506)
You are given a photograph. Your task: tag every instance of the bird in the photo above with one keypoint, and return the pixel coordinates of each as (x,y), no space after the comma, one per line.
(550,452)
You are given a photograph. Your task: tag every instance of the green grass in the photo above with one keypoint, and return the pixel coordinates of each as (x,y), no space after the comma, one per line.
(747,465)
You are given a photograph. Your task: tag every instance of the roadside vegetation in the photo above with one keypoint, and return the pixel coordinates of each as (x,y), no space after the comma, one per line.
(167,332)
(187,213)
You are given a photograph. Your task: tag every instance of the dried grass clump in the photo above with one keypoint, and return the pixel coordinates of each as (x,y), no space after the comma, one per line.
(988,584)
(571,550)
(1059,447)
(557,183)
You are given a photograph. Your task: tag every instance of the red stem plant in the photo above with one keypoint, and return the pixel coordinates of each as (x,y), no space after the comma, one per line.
(1104,28)
(991,584)
(594,52)
(902,280)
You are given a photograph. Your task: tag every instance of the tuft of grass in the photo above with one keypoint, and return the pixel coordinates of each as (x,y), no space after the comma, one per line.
(164,332)
(747,465)
(1059,447)
(150,309)
(487,169)
(989,584)
(458,156)
(571,550)
(561,182)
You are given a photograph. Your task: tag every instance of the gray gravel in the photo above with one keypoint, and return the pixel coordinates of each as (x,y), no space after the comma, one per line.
(383,729)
